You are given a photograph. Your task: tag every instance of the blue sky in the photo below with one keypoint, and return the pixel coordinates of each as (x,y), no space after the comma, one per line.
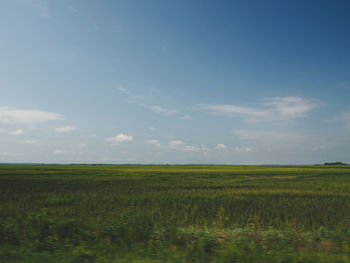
(235,82)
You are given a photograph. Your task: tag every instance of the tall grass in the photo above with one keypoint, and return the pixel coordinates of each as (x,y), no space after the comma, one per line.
(174,213)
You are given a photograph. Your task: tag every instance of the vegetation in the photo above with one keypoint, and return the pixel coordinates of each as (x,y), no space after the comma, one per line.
(136,213)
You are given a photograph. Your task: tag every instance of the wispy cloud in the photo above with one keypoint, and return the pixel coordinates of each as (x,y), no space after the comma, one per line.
(290,107)
(268,137)
(242,149)
(64,129)
(190,148)
(220,146)
(123,90)
(159,109)
(41,7)
(68,152)
(181,146)
(186,117)
(12,115)
(154,142)
(267,141)
(62,152)
(278,108)
(344,118)
(29,142)
(73,10)
(120,138)
(16,132)
(138,100)
(176,143)
(83,145)
(320,148)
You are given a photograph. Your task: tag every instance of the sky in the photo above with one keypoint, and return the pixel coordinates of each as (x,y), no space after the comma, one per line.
(161,81)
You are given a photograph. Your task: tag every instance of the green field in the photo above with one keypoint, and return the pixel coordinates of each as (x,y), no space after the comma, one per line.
(138,213)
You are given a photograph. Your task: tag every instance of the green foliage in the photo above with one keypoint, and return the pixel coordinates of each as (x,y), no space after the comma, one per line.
(135,213)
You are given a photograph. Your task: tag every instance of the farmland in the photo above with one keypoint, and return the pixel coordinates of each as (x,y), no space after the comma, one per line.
(149,213)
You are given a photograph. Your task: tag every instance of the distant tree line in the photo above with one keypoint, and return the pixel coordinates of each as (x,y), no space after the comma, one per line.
(336,163)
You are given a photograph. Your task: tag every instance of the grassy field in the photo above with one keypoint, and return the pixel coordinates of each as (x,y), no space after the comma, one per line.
(137,213)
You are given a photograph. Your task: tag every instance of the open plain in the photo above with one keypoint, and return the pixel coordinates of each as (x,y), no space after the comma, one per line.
(150,213)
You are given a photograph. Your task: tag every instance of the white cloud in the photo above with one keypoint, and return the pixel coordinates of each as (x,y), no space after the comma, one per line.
(62,152)
(65,129)
(186,117)
(153,142)
(272,141)
(16,132)
(163,111)
(120,138)
(190,148)
(278,108)
(220,146)
(123,90)
(242,149)
(18,116)
(268,137)
(138,101)
(204,148)
(83,145)
(194,148)
(176,143)
(181,146)
(232,109)
(290,107)
(29,142)
(159,109)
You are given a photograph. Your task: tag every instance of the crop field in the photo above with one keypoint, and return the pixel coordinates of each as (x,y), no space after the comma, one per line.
(146,213)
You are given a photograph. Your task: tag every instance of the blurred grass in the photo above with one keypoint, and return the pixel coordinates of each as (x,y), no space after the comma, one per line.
(138,213)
